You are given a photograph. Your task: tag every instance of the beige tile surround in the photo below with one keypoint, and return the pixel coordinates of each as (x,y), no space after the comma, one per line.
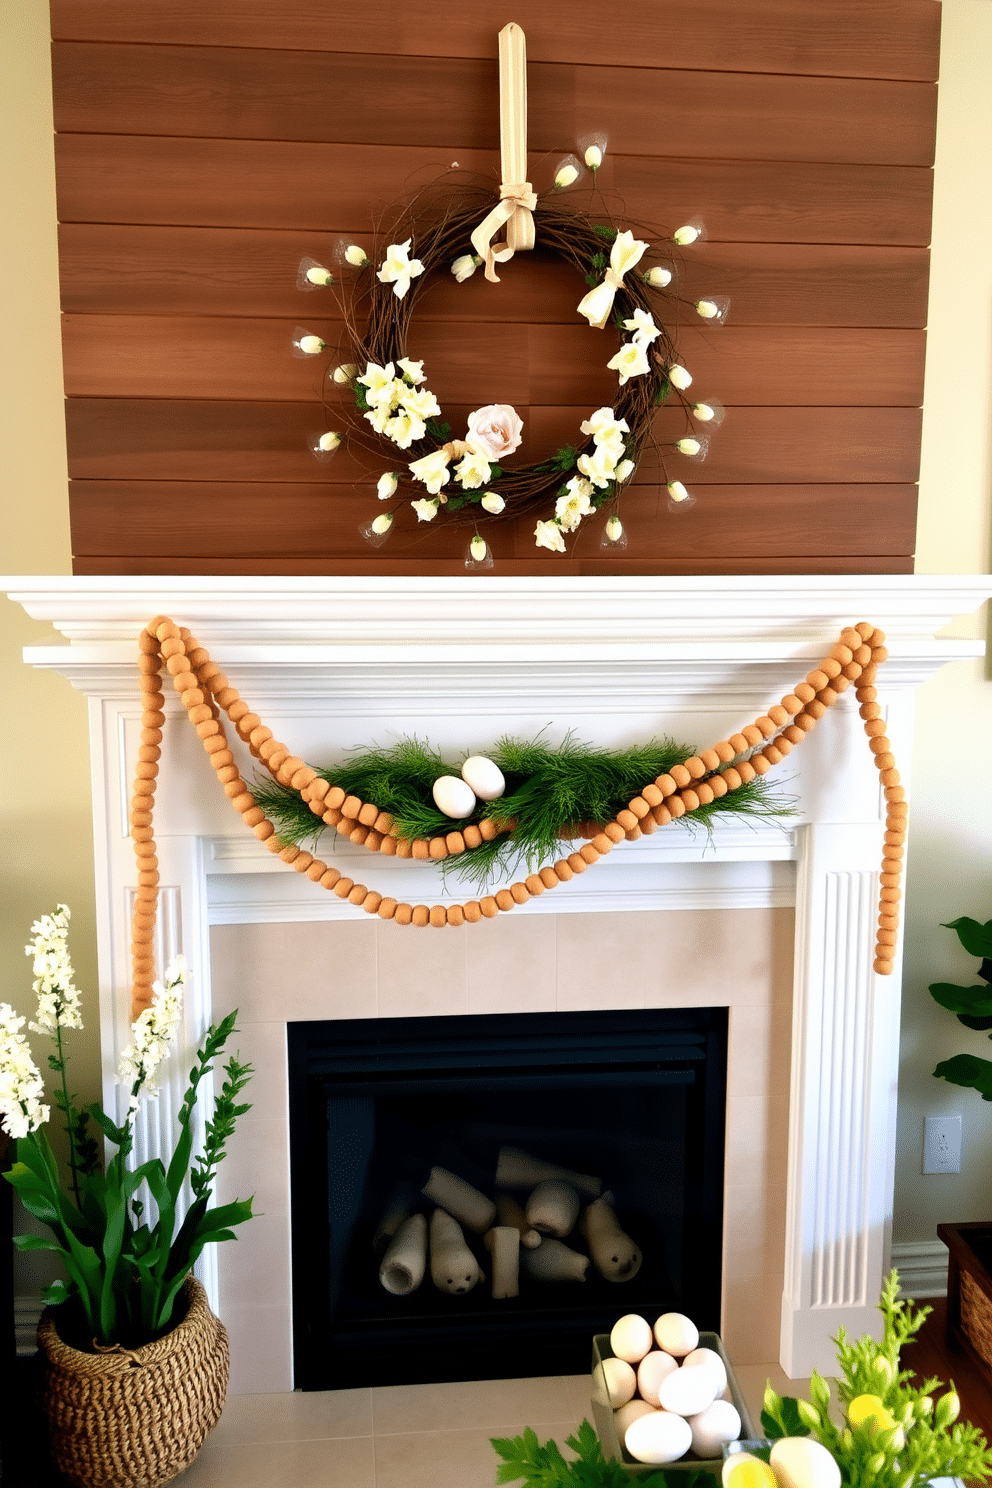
(518,963)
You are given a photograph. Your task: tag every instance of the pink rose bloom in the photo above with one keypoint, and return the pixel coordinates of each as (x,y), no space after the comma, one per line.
(495,430)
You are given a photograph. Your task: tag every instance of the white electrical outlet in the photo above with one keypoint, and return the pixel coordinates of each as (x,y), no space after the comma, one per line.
(942,1144)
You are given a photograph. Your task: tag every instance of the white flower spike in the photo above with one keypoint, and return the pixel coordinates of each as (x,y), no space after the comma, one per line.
(311,345)
(677,491)
(478,549)
(382,523)
(679,377)
(317,274)
(464,267)
(658,277)
(492,503)
(685,235)
(356,256)
(567,175)
(387,485)
(594,157)
(329,442)
(688,446)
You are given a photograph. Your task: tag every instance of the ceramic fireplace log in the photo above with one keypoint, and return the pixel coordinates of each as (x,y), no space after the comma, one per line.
(503,1244)
(405,1261)
(460,1199)
(454,1268)
(613,1253)
(553,1261)
(517,1169)
(397,1210)
(553,1208)
(509,1212)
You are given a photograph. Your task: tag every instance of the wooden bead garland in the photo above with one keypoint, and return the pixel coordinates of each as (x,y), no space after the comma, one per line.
(205,690)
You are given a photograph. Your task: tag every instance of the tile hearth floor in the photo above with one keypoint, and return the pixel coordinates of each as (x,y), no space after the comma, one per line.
(402,1436)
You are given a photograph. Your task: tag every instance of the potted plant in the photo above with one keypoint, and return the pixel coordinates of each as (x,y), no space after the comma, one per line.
(969,1264)
(135,1363)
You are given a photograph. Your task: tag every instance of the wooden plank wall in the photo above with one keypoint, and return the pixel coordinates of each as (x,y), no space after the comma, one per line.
(204,146)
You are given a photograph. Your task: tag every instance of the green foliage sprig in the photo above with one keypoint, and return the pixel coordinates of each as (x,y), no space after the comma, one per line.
(972,1007)
(895,1433)
(546,1467)
(547,791)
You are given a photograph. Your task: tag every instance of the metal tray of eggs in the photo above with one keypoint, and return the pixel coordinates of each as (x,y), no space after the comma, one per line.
(605,1404)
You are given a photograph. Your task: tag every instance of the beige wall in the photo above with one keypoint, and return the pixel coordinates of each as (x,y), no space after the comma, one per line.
(47,838)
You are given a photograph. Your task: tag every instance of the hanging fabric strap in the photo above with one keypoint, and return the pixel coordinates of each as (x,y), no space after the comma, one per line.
(517,199)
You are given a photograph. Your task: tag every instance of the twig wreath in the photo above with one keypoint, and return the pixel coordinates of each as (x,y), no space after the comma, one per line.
(465,478)
(703,778)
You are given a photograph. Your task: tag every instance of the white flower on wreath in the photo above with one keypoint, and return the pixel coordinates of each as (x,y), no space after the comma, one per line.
(21,1085)
(548,535)
(378,382)
(571,508)
(152,1033)
(606,428)
(630,361)
(387,485)
(643,326)
(412,371)
(624,254)
(600,466)
(404,429)
(472,470)
(426,510)
(398,268)
(495,430)
(432,469)
(379,417)
(492,503)
(419,401)
(624,470)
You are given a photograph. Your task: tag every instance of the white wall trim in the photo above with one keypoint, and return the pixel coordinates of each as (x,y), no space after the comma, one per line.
(922,1267)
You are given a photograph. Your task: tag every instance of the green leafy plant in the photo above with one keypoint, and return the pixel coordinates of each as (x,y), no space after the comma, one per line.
(894,1433)
(124,1271)
(546,1467)
(971,1005)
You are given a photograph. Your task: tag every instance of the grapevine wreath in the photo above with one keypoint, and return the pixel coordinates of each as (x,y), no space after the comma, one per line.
(471,478)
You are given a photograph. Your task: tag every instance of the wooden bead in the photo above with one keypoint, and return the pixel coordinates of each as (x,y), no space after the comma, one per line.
(489,907)
(883,968)
(290,852)
(851,672)
(695,767)
(890,776)
(488,829)
(563,870)
(627,820)
(761,764)
(828,696)
(141,834)
(438,916)
(888,922)
(577,863)
(647,824)
(724,752)
(535,885)
(879,744)
(782,744)
(421,916)
(149,752)
(316,871)
(456,915)
(146,770)
(794,734)
(602,843)
(817,679)
(752,734)
(869,674)
(252,815)
(718,785)
(804,692)
(472,836)
(652,795)
(879,654)
(816,709)
(778,715)
(895,836)
(898,808)
(662,815)
(420,848)
(374,840)
(504,900)
(519,893)
(148,879)
(473,911)
(870,712)
(889,880)
(588,853)
(704,793)
(746,771)
(842,654)
(549,878)
(740,744)
(885,761)
(666,785)
(680,775)
(732,778)
(633,835)
(765,726)
(403,914)
(227,773)
(358,894)
(263,830)
(438,849)
(689,799)
(830,668)
(640,807)
(356,834)
(329,878)
(404,848)
(875,726)
(889,895)
(772,754)
(455,843)
(886,938)
(343,887)
(174,650)
(710,759)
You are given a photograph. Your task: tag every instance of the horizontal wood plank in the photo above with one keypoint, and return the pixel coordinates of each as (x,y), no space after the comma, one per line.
(146,270)
(255,520)
(843,38)
(333,188)
(620,566)
(216,357)
(181,439)
(234,92)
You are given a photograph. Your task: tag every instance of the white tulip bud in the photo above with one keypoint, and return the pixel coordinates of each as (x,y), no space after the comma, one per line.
(477,548)
(624,470)
(356,256)
(707,309)
(614,529)
(688,446)
(329,442)
(677,491)
(492,503)
(658,277)
(463,268)
(310,345)
(317,274)
(345,373)
(685,235)
(387,485)
(382,523)
(703,412)
(679,377)
(594,157)
(566,176)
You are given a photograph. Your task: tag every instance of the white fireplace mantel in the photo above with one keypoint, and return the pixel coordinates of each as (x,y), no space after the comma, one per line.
(333,663)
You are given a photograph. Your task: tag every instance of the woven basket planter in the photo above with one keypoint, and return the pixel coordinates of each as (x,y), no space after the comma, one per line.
(135,1418)
(969,1290)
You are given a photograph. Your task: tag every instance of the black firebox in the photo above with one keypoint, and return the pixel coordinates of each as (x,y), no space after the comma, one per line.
(635,1100)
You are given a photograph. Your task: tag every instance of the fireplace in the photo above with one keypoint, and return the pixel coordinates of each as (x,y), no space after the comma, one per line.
(630,1104)
(334,663)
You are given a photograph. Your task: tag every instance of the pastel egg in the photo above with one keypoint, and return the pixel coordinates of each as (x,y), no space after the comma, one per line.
(484,777)
(631,1338)
(800,1462)
(453,796)
(689,1391)
(714,1427)
(652,1369)
(628,1414)
(712,1360)
(658,1437)
(744,1471)
(676,1334)
(614,1382)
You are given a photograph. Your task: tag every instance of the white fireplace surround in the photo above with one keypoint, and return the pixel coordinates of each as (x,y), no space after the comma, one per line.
(337,662)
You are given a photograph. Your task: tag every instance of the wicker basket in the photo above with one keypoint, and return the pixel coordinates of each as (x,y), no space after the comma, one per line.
(135,1419)
(969,1290)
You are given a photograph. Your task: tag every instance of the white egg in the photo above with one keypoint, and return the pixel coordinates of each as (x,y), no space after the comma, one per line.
(628,1414)
(712,1360)
(658,1437)
(453,796)
(800,1462)
(652,1369)
(689,1391)
(631,1338)
(714,1427)
(484,777)
(614,1382)
(676,1334)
